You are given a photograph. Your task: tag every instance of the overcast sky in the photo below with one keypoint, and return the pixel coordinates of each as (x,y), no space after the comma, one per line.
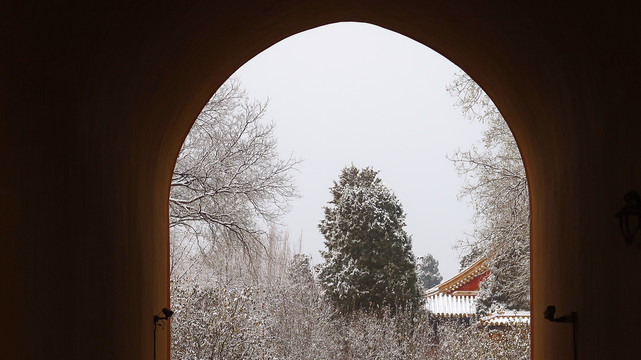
(357,93)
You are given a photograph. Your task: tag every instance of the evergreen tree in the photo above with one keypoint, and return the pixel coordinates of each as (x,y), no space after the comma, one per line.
(369,262)
(427,272)
(299,269)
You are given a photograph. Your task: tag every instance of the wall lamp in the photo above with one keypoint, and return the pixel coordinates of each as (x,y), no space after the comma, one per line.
(549,312)
(570,318)
(168,313)
(630,216)
(157,318)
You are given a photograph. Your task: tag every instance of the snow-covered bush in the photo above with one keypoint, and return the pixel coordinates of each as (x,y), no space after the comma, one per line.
(215,323)
(278,311)
(477,342)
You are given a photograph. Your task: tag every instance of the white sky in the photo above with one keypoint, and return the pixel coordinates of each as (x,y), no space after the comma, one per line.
(357,93)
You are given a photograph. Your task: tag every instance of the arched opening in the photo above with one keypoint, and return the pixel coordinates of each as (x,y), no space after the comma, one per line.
(502,65)
(391,116)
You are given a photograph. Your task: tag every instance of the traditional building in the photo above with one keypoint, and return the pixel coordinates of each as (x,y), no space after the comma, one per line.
(506,317)
(455,298)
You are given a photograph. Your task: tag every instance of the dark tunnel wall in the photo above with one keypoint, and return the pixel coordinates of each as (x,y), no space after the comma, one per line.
(95,101)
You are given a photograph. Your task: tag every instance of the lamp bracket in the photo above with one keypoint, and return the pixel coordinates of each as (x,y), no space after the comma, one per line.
(631,211)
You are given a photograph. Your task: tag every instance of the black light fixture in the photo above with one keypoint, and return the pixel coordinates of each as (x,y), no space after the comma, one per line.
(571,318)
(549,312)
(630,216)
(160,321)
(168,313)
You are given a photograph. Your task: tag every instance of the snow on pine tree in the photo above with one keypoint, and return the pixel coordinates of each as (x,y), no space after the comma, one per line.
(427,272)
(369,263)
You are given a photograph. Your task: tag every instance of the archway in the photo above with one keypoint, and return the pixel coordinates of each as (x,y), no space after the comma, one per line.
(344,93)
(100,99)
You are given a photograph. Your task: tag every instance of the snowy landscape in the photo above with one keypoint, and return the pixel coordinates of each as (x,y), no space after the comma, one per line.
(245,286)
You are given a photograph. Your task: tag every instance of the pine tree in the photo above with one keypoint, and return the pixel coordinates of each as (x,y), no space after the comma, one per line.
(369,263)
(427,272)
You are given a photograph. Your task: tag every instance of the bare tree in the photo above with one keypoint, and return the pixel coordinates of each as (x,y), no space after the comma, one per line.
(496,185)
(228,191)
(229,183)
